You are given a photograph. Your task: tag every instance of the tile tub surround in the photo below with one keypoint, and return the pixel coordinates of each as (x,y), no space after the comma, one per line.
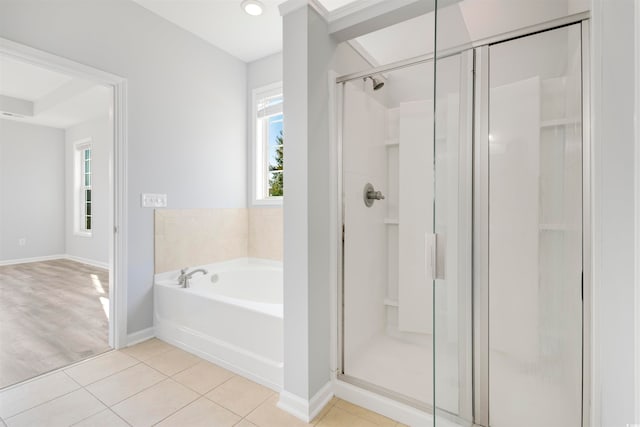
(188,237)
(127,389)
(265,233)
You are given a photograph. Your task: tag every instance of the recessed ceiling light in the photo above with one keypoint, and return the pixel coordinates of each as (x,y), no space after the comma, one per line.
(252,7)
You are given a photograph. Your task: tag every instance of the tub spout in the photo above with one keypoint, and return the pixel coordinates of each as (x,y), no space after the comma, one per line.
(183,279)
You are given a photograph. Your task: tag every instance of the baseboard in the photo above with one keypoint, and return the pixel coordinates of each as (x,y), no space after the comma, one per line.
(138,337)
(306,410)
(87,261)
(32,259)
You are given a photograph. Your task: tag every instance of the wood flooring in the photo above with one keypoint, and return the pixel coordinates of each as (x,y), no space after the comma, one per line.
(51,315)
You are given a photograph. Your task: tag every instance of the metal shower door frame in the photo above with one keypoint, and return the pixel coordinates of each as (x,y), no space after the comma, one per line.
(481,224)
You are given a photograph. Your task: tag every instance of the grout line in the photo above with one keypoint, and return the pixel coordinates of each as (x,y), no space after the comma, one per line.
(43,403)
(198,397)
(172,347)
(135,394)
(49,400)
(259,405)
(110,375)
(53,371)
(117,415)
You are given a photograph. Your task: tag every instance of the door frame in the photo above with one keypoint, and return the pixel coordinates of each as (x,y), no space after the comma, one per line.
(117,220)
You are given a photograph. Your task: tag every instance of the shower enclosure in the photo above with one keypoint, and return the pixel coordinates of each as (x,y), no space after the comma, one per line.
(464,186)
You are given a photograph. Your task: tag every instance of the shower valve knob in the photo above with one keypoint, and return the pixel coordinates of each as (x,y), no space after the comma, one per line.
(371,195)
(377,195)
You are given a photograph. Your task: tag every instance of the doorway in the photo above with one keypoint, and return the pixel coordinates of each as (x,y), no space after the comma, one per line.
(61,263)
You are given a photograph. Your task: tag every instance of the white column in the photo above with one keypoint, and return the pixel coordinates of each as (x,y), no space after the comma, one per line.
(307,53)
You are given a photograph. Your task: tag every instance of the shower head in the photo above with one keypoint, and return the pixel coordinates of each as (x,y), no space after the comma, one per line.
(376,84)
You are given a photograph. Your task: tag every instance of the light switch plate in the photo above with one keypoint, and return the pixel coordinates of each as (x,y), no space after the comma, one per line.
(150,200)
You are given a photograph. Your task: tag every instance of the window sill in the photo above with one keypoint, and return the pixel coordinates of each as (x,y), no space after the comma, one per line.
(83,234)
(274,201)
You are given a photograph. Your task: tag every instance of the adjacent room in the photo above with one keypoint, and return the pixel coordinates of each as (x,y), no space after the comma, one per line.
(54,218)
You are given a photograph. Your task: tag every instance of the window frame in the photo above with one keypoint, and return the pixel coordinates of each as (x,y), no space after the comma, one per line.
(79,202)
(259,164)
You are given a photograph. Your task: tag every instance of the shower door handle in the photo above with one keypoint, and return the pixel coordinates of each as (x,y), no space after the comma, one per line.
(431,261)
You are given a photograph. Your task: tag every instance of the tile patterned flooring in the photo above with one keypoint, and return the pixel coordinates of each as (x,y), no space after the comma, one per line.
(51,315)
(154,383)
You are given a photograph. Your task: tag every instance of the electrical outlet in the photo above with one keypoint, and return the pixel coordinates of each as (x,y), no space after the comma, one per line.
(149,200)
(22,241)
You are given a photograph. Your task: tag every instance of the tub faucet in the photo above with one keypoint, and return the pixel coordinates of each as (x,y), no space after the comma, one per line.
(183,279)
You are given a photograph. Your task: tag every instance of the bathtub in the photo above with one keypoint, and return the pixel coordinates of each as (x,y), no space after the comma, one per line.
(231,316)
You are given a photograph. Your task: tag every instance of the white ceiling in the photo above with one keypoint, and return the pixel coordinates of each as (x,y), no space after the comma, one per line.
(224,24)
(59,100)
(24,81)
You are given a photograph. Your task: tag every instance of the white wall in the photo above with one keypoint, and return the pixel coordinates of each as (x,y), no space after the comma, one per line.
(263,72)
(186,111)
(96,247)
(613,87)
(31,190)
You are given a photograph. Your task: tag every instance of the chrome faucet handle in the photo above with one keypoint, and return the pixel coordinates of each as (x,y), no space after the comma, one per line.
(370,195)
(182,278)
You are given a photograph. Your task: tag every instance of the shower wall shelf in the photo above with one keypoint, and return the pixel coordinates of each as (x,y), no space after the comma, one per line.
(392,142)
(560,122)
(391,221)
(390,302)
(553,227)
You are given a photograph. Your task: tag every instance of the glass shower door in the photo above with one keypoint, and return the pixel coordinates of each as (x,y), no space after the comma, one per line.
(387,210)
(535,223)
(521,302)
(452,290)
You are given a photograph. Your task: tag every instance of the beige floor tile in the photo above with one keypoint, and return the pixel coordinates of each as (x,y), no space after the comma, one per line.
(240,395)
(361,412)
(324,410)
(106,418)
(62,411)
(32,393)
(148,348)
(203,377)
(201,413)
(172,362)
(245,423)
(269,415)
(125,384)
(155,403)
(100,367)
(337,417)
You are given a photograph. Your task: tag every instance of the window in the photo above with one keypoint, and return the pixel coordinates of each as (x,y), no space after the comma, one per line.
(268,145)
(83,197)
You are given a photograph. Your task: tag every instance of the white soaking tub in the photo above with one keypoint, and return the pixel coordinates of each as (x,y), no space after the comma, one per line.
(231,316)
